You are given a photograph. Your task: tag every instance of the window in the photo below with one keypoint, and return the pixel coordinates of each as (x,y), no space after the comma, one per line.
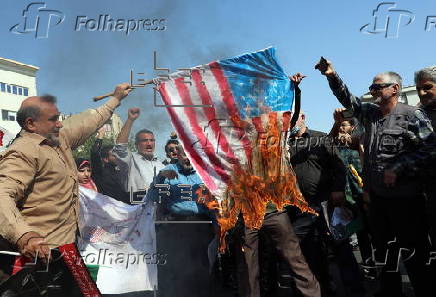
(14,89)
(8,115)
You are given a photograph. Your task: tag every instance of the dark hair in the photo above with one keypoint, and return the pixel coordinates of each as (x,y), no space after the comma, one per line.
(428,73)
(33,111)
(353,121)
(173,140)
(80,161)
(104,152)
(143,131)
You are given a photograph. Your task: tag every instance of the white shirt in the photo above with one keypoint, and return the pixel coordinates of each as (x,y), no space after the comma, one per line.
(139,170)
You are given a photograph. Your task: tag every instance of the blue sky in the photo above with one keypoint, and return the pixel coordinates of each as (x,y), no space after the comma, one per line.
(77,65)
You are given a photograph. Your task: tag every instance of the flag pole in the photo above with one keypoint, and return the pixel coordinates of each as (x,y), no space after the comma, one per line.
(147,82)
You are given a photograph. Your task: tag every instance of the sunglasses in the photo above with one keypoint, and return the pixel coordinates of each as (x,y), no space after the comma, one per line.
(425,88)
(378,87)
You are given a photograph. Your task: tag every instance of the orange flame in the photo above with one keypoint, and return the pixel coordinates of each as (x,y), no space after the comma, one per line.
(267,177)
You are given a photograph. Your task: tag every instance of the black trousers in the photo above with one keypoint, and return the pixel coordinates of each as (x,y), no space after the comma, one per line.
(399,229)
(186,271)
(364,235)
(311,231)
(278,226)
(431,215)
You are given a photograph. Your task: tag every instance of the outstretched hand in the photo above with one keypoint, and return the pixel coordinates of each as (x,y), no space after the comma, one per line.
(122,90)
(325,67)
(297,78)
(338,116)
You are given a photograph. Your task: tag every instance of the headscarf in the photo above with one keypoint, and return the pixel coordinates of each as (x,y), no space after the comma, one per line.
(81,163)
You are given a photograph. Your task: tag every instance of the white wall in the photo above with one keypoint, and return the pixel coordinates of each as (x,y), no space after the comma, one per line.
(20,75)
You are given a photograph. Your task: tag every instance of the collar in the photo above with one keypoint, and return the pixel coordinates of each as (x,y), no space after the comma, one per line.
(145,159)
(33,137)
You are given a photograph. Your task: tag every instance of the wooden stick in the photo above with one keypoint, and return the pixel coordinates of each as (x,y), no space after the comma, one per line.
(98,98)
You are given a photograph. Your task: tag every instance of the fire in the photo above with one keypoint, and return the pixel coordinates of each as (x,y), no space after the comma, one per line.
(267,177)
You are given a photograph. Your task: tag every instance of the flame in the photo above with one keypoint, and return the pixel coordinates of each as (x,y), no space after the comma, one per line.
(266,177)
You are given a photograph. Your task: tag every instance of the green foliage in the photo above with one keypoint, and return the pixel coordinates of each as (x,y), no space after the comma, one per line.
(131,144)
(84,151)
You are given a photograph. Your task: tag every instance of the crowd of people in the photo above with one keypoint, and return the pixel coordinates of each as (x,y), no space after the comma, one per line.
(370,176)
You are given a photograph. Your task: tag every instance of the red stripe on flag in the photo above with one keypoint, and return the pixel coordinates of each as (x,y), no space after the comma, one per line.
(185,139)
(230,104)
(210,113)
(286,121)
(257,122)
(197,130)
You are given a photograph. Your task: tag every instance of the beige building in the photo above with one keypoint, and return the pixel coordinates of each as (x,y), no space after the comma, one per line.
(409,96)
(17,82)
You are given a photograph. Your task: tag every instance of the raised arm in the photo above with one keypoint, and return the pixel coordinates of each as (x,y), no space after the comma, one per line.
(121,149)
(339,176)
(80,127)
(339,89)
(338,118)
(132,114)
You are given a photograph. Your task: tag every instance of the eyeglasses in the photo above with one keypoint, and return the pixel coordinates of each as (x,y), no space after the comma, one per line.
(425,88)
(378,87)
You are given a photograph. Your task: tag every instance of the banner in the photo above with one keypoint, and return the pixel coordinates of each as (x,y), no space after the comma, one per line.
(119,241)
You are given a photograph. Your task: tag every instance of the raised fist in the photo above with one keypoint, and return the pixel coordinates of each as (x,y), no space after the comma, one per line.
(133,113)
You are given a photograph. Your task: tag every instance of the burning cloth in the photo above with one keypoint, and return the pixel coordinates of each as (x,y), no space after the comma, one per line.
(233,118)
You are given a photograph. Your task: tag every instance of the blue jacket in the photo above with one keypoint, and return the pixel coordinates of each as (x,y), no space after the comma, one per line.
(178,196)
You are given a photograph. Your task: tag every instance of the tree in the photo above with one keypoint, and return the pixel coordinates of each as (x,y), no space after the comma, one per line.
(84,151)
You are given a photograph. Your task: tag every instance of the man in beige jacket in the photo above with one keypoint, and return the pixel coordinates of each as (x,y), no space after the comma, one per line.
(38,176)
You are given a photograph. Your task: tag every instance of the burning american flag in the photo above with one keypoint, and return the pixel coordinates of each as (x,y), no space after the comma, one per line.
(233,118)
